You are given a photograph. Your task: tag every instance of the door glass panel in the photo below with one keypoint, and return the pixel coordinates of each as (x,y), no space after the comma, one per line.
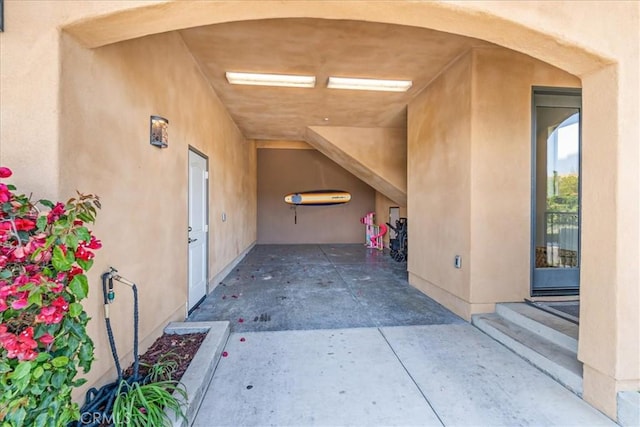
(557,187)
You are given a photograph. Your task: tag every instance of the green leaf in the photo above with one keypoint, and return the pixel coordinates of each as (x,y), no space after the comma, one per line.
(42,357)
(50,240)
(79,286)
(59,260)
(4,367)
(5,274)
(85,265)
(71,258)
(58,379)
(24,236)
(75,309)
(37,372)
(79,382)
(41,223)
(41,420)
(83,234)
(19,416)
(22,370)
(35,297)
(85,217)
(60,361)
(47,203)
(72,241)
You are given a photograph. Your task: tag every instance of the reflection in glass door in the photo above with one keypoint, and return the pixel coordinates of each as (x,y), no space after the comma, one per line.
(556,193)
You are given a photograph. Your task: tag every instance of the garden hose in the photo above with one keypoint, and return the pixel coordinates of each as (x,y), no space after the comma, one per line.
(99,402)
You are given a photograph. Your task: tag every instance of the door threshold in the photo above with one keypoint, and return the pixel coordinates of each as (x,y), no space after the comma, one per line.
(553,298)
(566,309)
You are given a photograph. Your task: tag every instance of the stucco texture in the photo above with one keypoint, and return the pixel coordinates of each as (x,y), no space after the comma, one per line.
(107,97)
(470,163)
(439,187)
(284,171)
(574,36)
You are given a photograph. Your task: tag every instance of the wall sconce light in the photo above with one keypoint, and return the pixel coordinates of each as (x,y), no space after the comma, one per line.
(159,131)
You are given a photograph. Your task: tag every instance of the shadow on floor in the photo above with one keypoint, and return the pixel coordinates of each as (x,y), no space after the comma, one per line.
(301,287)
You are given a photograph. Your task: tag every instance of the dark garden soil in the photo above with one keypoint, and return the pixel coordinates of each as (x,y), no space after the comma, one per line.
(180,348)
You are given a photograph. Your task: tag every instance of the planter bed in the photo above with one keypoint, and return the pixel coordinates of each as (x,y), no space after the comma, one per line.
(198,375)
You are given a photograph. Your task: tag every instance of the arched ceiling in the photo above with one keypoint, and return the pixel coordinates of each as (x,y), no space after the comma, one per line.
(322,48)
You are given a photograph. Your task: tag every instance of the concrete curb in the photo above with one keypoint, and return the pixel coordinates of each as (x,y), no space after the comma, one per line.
(198,375)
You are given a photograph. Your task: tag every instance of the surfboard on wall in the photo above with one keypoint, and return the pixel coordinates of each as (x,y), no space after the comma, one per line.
(318,198)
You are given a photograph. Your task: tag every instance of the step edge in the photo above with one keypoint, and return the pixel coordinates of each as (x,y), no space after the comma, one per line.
(558,337)
(564,376)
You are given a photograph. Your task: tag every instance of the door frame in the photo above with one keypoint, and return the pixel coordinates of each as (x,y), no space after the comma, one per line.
(569,274)
(191,148)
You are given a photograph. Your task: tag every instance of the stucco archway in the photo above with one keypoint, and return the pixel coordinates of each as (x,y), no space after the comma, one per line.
(610,271)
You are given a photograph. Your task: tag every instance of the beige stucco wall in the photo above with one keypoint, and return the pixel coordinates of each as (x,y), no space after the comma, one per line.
(501,170)
(107,95)
(284,171)
(375,155)
(574,36)
(439,187)
(470,179)
(94,137)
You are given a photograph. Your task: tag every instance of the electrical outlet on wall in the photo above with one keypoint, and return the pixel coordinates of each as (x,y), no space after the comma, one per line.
(457,263)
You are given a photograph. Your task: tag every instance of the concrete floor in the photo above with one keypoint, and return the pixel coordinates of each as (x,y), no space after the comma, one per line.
(334,335)
(294,287)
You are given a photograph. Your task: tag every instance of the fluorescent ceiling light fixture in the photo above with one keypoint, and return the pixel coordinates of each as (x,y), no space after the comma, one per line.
(369,84)
(283,80)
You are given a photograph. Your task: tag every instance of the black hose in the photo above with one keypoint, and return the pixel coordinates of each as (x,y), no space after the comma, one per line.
(136,359)
(99,402)
(114,352)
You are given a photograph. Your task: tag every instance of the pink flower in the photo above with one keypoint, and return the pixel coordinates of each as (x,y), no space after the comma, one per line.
(5,172)
(55,213)
(225,354)
(5,194)
(19,346)
(83,254)
(53,313)
(46,339)
(24,224)
(60,303)
(94,243)
(18,253)
(19,304)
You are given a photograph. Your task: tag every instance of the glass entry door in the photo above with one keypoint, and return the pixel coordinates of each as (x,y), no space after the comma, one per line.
(556,193)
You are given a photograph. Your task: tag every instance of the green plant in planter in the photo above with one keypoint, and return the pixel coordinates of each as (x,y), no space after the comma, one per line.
(163,369)
(144,404)
(43,338)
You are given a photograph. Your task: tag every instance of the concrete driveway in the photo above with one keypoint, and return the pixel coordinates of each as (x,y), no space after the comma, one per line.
(451,375)
(333,335)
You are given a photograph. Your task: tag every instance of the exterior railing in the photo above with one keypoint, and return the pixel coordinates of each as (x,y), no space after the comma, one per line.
(561,239)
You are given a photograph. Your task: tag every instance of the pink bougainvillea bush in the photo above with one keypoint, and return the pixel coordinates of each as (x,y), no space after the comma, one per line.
(45,250)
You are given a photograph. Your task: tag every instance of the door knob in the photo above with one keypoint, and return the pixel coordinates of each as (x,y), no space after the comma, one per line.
(192,240)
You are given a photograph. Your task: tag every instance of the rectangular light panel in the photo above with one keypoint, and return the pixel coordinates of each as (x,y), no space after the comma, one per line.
(282,80)
(369,84)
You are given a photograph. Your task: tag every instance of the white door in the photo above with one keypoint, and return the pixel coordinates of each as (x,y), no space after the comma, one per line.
(198,228)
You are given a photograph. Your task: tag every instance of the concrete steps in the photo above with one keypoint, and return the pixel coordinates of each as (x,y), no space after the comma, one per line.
(548,342)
